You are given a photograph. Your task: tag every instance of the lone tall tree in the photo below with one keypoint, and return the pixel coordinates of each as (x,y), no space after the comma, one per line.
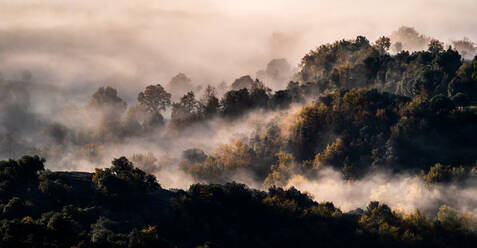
(435,46)
(154,98)
(107,97)
(383,44)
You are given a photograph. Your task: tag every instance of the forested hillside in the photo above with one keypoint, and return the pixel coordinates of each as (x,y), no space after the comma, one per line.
(353,107)
(122,206)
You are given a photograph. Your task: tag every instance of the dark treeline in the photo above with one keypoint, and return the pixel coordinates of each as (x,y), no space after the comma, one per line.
(122,206)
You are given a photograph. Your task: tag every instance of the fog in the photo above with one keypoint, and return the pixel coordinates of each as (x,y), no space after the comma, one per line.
(128,45)
(403,192)
(57,53)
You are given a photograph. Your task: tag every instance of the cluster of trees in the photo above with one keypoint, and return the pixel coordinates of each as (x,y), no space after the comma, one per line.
(407,38)
(373,111)
(357,63)
(422,76)
(110,120)
(353,131)
(345,64)
(117,120)
(122,206)
(457,175)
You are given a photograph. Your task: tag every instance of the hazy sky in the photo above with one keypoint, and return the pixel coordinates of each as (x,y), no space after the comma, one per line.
(129,44)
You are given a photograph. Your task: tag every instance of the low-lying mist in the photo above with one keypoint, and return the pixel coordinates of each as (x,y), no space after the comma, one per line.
(54,58)
(403,192)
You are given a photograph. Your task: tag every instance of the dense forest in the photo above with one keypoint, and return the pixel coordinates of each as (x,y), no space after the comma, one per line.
(355,107)
(122,206)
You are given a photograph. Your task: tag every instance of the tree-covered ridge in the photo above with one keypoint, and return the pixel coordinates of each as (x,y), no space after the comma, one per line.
(360,110)
(353,131)
(343,65)
(71,209)
(359,64)
(371,110)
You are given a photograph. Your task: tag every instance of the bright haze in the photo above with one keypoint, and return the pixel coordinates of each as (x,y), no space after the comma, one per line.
(130,44)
